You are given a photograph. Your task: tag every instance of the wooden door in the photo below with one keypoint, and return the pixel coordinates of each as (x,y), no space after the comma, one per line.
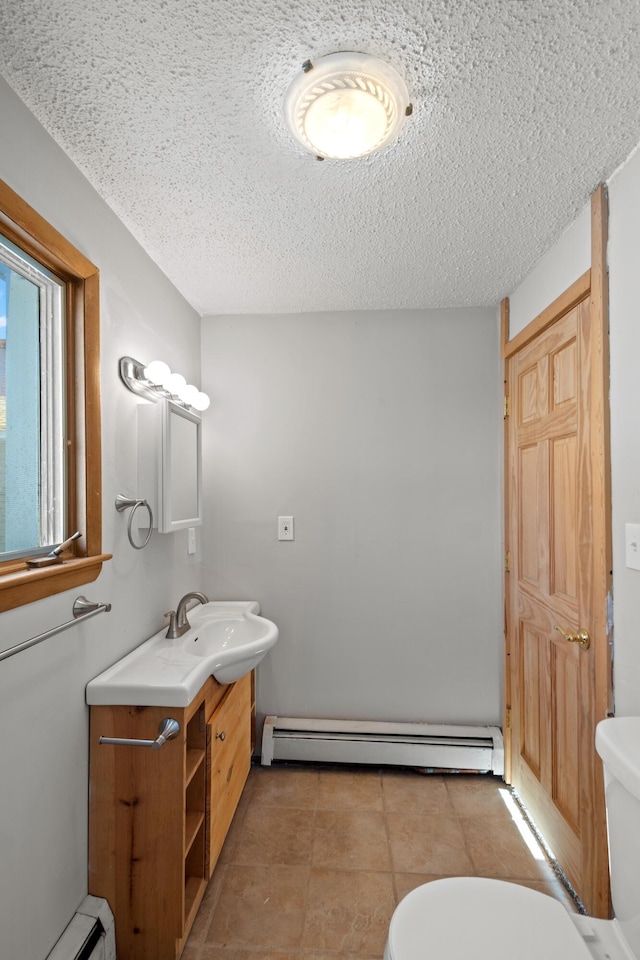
(558,682)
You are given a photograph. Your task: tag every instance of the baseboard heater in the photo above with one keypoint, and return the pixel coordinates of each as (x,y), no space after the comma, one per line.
(430,745)
(90,934)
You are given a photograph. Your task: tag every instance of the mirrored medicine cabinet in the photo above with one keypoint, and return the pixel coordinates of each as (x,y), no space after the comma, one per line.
(170,465)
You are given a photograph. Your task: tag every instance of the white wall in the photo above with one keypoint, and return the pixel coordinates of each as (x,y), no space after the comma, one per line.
(624,302)
(43,748)
(380,432)
(567,260)
(563,264)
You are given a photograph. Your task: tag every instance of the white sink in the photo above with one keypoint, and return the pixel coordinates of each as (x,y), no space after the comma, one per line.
(226,640)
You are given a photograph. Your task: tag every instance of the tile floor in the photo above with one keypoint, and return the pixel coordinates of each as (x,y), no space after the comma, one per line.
(318,857)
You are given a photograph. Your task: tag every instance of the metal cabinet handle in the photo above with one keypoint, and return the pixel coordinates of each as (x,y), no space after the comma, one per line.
(221,736)
(167,730)
(581,637)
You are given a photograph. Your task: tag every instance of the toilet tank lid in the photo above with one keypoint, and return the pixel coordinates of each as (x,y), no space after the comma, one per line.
(618,743)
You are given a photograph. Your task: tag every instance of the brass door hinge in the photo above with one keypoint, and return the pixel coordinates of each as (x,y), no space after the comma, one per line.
(507,562)
(506,408)
(507,718)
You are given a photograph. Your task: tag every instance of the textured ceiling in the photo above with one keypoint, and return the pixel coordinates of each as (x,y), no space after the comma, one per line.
(173,111)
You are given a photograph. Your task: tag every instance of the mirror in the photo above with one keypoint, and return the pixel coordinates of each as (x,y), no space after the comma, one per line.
(170,465)
(181,474)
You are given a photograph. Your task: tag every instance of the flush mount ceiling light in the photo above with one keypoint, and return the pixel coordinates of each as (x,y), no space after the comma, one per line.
(346,105)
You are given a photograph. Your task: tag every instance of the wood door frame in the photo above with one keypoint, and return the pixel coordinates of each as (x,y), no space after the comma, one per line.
(594,285)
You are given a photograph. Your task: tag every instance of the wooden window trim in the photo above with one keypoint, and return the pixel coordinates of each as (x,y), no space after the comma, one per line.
(18,583)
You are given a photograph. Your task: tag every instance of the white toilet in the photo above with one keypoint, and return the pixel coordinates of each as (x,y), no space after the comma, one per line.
(469,917)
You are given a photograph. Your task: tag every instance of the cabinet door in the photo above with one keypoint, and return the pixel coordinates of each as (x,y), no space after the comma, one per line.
(229,756)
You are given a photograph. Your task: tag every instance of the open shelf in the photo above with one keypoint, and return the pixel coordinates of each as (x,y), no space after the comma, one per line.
(195,879)
(196,730)
(195,756)
(194,888)
(194,820)
(195,796)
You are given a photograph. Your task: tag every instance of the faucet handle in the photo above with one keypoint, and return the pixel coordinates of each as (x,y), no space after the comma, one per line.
(172,632)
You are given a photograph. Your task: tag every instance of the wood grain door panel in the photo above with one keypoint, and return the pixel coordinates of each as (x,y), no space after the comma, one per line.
(563,514)
(550,528)
(565,727)
(532,701)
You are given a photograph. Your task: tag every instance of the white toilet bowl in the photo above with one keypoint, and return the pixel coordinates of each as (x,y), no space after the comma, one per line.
(469,917)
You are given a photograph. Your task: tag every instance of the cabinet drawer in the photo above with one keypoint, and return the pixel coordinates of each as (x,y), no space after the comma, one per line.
(229,761)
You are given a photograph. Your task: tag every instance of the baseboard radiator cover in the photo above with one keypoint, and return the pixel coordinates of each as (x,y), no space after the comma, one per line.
(90,934)
(430,745)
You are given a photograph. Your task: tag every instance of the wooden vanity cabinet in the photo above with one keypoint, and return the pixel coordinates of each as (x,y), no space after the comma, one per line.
(158,818)
(229,759)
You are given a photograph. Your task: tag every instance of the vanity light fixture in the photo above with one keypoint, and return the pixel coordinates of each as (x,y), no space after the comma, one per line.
(346,105)
(156,380)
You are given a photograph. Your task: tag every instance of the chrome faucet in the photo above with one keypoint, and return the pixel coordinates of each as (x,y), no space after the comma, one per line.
(178,623)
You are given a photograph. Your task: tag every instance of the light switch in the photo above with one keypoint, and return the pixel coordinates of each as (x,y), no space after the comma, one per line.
(285,528)
(632,545)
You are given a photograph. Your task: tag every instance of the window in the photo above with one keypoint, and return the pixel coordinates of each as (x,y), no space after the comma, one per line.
(32,420)
(50,463)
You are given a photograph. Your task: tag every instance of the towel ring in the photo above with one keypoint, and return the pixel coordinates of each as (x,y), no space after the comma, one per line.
(123,503)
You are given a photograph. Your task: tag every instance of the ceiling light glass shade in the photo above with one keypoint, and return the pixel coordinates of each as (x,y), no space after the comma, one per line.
(346,105)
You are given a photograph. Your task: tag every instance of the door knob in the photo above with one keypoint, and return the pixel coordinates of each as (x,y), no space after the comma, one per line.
(581,637)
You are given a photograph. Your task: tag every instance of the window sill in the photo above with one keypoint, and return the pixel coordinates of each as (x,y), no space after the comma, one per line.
(23,585)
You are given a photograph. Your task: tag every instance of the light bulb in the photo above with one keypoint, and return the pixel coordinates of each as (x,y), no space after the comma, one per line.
(175,383)
(188,393)
(346,123)
(346,105)
(157,372)
(201,402)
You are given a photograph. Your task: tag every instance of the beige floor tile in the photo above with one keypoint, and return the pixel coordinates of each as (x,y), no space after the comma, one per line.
(261,907)
(406,791)
(406,882)
(305,873)
(350,790)
(285,786)
(434,845)
(351,840)
(247,793)
(275,835)
(476,795)
(205,913)
(348,912)
(497,850)
(235,832)
(214,952)
(191,951)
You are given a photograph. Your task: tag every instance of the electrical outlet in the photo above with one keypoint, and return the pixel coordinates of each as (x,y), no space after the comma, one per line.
(285,528)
